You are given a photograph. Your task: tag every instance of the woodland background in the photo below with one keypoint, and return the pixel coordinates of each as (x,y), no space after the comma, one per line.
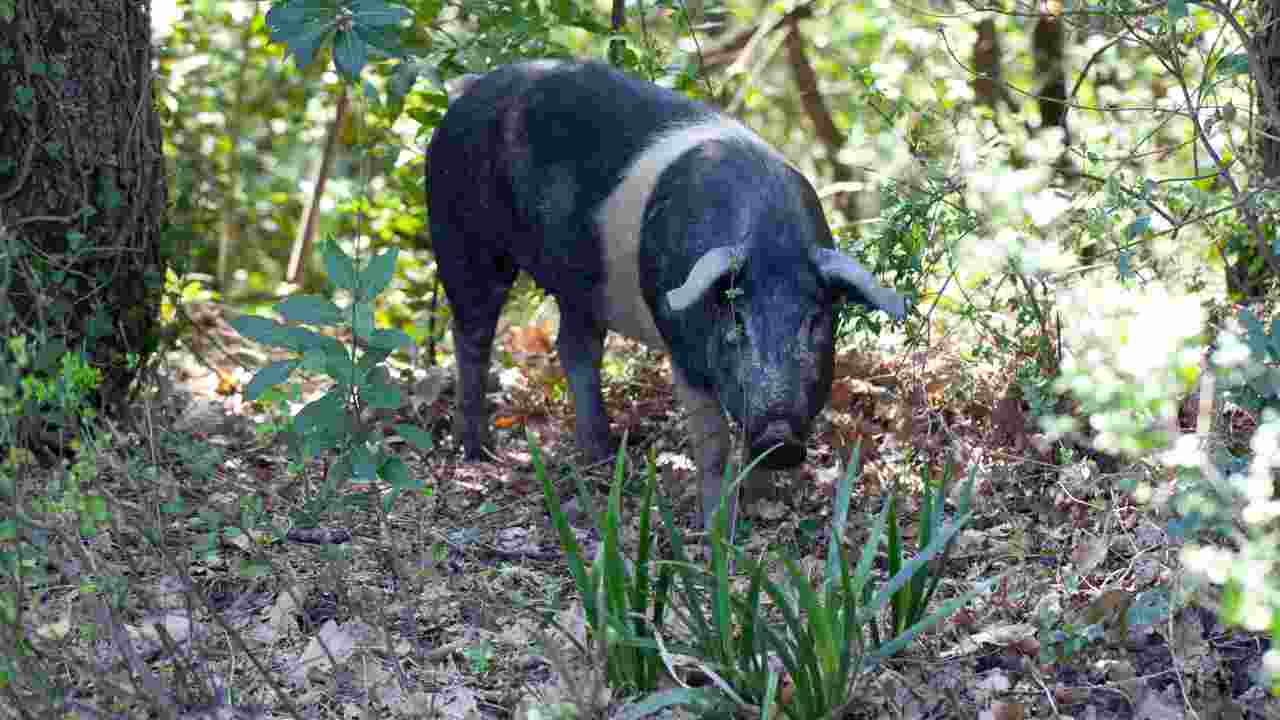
(1080,199)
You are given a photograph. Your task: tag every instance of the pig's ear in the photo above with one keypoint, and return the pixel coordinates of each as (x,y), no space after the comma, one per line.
(845,275)
(713,265)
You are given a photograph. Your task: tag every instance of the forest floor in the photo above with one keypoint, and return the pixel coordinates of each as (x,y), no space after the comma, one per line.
(436,605)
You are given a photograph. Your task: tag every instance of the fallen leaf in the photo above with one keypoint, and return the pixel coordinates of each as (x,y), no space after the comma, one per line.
(1089,553)
(1008,711)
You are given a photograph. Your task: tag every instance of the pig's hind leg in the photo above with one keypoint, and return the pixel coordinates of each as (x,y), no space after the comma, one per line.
(476,282)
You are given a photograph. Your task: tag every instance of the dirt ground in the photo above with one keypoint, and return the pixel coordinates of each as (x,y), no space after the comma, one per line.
(436,605)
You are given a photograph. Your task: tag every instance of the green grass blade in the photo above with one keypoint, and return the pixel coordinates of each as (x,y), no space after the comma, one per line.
(840,514)
(912,566)
(568,542)
(894,559)
(896,644)
(862,573)
(688,573)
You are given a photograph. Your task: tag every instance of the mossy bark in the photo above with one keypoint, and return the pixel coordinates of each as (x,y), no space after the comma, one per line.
(82,185)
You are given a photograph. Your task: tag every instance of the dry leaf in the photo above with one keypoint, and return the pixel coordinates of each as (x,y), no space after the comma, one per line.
(1065,695)
(226,384)
(1089,553)
(531,339)
(1109,607)
(1008,711)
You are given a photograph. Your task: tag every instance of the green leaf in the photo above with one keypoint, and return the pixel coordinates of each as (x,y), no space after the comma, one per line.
(918,563)
(389,339)
(269,376)
(840,516)
(100,324)
(1267,384)
(48,355)
(862,572)
(362,465)
(322,423)
(415,436)
(649,705)
(252,569)
(340,472)
(293,13)
(1124,264)
(568,541)
(1257,334)
(1138,226)
(1233,64)
(371,92)
(371,359)
(428,11)
(315,361)
(311,310)
(402,80)
(396,473)
(378,274)
(1177,9)
(262,330)
(384,40)
(339,362)
(300,339)
(381,396)
(378,13)
(891,648)
(340,267)
(362,320)
(302,26)
(350,54)
(108,193)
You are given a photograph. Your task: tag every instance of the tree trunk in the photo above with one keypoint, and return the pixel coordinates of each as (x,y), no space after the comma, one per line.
(815,106)
(1267,50)
(82,186)
(1250,267)
(1048,45)
(988,62)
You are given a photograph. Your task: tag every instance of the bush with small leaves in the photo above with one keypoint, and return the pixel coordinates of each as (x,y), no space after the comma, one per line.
(342,419)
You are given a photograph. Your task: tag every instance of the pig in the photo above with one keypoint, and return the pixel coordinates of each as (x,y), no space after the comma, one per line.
(652,215)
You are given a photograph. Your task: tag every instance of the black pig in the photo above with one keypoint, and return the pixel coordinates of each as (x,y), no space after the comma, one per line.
(652,215)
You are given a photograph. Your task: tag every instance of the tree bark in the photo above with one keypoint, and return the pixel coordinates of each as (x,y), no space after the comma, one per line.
(1267,79)
(988,63)
(1048,44)
(815,106)
(1250,267)
(82,184)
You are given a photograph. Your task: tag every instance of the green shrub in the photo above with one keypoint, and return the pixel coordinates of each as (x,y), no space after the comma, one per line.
(342,419)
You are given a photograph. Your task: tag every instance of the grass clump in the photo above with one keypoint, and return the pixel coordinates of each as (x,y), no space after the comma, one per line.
(782,647)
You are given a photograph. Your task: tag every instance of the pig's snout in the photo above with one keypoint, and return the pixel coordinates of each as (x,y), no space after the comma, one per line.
(789,439)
